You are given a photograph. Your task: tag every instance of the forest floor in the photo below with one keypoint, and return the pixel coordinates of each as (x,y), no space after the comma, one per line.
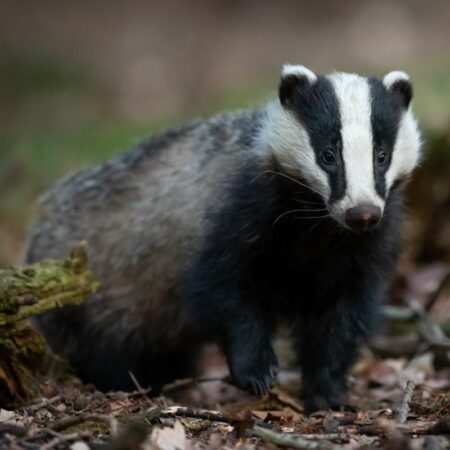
(400,402)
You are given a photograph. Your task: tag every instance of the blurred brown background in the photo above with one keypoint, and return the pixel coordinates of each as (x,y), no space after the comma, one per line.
(81,80)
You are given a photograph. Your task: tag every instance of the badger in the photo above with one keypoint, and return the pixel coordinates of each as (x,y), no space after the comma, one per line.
(225,229)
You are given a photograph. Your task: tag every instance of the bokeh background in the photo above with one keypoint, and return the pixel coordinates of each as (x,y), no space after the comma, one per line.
(82,80)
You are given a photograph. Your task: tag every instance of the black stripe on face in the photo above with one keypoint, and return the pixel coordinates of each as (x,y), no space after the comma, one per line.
(386,111)
(317,108)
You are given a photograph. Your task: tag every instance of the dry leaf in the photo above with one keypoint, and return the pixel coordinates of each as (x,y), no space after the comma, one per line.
(168,438)
(284,397)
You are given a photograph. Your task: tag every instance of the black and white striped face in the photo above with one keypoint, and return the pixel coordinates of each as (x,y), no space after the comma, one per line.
(349,137)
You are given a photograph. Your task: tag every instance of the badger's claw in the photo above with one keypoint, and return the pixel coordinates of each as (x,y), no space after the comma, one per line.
(273,371)
(258,386)
(254,375)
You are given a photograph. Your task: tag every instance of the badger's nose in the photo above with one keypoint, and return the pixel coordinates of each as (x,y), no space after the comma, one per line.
(362,217)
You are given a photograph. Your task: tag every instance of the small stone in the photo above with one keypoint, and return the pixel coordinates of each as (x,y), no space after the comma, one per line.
(79,446)
(61,407)
(6,416)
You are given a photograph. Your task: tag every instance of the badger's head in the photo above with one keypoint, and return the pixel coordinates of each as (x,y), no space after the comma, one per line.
(349,138)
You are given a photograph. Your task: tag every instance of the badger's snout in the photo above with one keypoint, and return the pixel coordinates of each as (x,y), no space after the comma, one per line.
(362,217)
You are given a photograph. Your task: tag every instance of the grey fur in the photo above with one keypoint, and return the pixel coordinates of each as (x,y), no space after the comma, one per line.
(142,214)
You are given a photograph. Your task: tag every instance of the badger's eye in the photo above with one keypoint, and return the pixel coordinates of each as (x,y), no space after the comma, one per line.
(328,158)
(382,158)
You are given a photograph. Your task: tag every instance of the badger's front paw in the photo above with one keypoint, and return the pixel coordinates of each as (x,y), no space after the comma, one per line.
(255,372)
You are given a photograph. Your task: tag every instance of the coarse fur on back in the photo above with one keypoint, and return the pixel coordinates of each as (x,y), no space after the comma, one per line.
(226,228)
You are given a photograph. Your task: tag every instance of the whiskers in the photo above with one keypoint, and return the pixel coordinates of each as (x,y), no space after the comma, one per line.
(311,203)
(321,220)
(310,206)
(291,211)
(295,181)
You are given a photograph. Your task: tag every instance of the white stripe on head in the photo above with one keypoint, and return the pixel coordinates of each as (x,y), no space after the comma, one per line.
(288,140)
(353,93)
(406,152)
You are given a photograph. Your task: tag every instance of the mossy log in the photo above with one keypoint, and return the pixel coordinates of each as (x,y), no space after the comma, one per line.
(25,291)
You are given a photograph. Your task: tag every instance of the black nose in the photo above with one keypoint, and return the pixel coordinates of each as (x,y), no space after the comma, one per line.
(362,217)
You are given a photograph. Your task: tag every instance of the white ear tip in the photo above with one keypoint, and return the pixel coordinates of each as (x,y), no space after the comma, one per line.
(393,77)
(301,71)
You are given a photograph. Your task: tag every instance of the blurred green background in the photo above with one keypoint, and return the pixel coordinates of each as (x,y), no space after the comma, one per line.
(82,80)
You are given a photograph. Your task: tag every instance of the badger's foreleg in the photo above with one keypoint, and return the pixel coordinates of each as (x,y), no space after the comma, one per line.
(231,317)
(248,349)
(328,346)
(225,305)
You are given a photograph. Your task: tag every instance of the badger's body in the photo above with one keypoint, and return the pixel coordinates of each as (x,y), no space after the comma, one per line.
(225,228)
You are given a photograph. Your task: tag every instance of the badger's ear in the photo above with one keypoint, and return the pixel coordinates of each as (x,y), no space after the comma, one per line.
(292,78)
(399,82)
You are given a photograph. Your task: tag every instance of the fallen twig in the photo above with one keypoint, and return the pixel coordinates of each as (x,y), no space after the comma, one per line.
(188,382)
(437,292)
(420,428)
(124,395)
(401,413)
(214,416)
(329,436)
(430,331)
(62,438)
(293,440)
(42,404)
(139,387)
(194,413)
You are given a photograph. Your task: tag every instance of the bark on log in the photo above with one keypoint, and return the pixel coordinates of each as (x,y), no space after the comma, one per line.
(25,291)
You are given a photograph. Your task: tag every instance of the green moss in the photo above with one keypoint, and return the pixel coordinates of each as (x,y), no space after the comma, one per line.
(27,291)
(97,428)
